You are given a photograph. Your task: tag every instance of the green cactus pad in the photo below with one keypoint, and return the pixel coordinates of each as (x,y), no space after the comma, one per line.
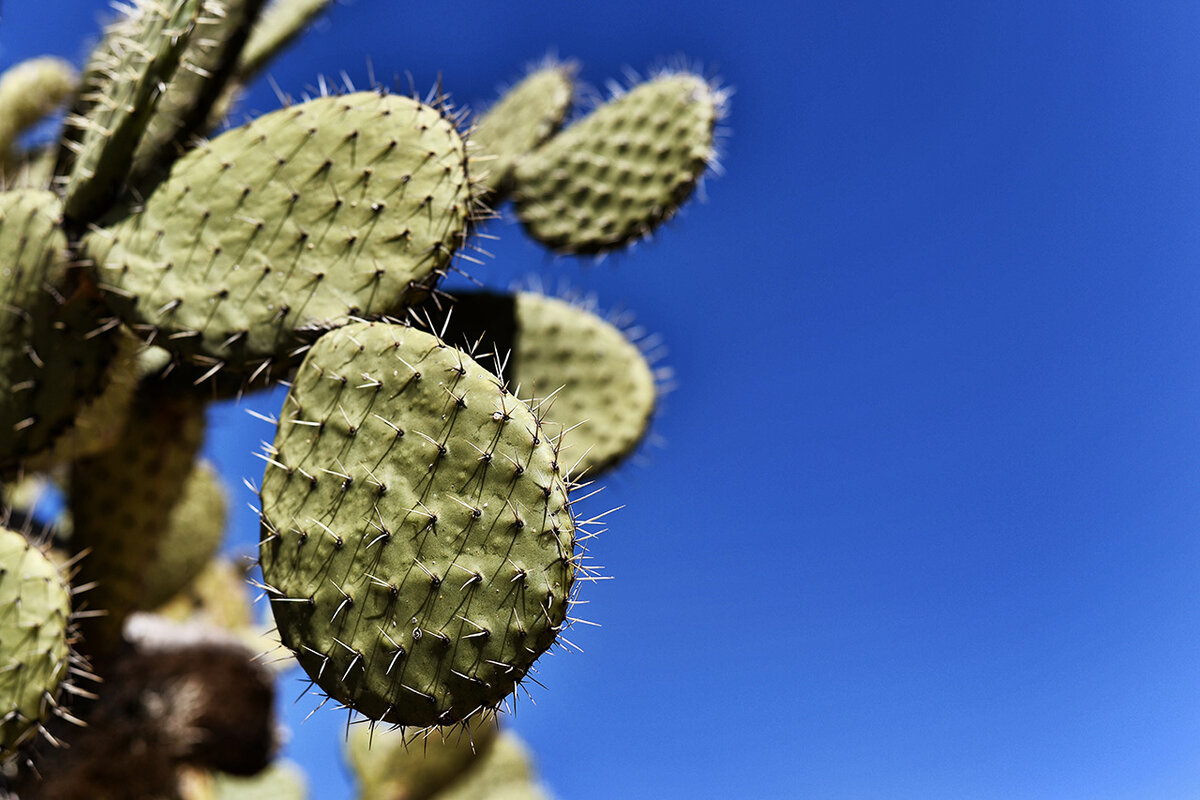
(297,222)
(205,67)
(29,91)
(50,361)
(504,772)
(404,765)
(193,533)
(604,390)
(527,115)
(417,538)
(120,501)
(120,90)
(35,606)
(612,177)
(280,24)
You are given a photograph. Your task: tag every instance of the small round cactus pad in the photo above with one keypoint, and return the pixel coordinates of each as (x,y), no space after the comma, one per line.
(35,604)
(418,545)
(612,177)
(341,207)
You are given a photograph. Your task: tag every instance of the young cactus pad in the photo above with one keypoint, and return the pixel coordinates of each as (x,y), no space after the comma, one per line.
(418,545)
(612,177)
(306,217)
(522,119)
(35,606)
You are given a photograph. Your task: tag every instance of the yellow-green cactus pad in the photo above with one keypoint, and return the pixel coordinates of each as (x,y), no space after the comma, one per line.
(417,538)
(193,533)
(30,91)
(504,772)
(527,115)
(606,391)
(50,361)
(204,68)
(121,88)
(612,177)
(591,382)
(338,208)
(120,501)
(279,25)
(35,606)
(413,765)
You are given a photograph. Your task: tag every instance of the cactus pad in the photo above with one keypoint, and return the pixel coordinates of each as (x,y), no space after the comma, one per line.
(612,177)
(336,208)
(121,87)
(604,390)
(504,772)
(608,389)
(417,540)
(191,536)
(49,362)
(524,117)
(280,24)
(120,501)
(35,606)
(204,68)
(396,764)
(29,91)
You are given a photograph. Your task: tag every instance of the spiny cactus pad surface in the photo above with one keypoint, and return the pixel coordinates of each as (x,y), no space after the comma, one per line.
(612,177)
(336,208)
(35,606)
(608,390)
(121,87)
(417,539)
(49,362)
(205,65)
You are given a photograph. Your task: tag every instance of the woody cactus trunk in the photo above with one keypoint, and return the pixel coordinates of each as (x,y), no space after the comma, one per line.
(419,548)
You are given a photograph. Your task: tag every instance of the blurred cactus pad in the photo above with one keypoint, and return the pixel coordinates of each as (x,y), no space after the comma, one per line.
(421,543)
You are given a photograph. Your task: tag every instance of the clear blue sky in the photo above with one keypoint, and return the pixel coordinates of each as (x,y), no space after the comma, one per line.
(926,523)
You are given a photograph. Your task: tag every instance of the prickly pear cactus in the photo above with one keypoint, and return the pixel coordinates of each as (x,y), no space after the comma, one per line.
(120,90)
(418,543)
(525,117)
(418,547)
(338,208)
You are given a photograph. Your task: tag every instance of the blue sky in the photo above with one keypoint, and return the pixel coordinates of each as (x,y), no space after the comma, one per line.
(925,519)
